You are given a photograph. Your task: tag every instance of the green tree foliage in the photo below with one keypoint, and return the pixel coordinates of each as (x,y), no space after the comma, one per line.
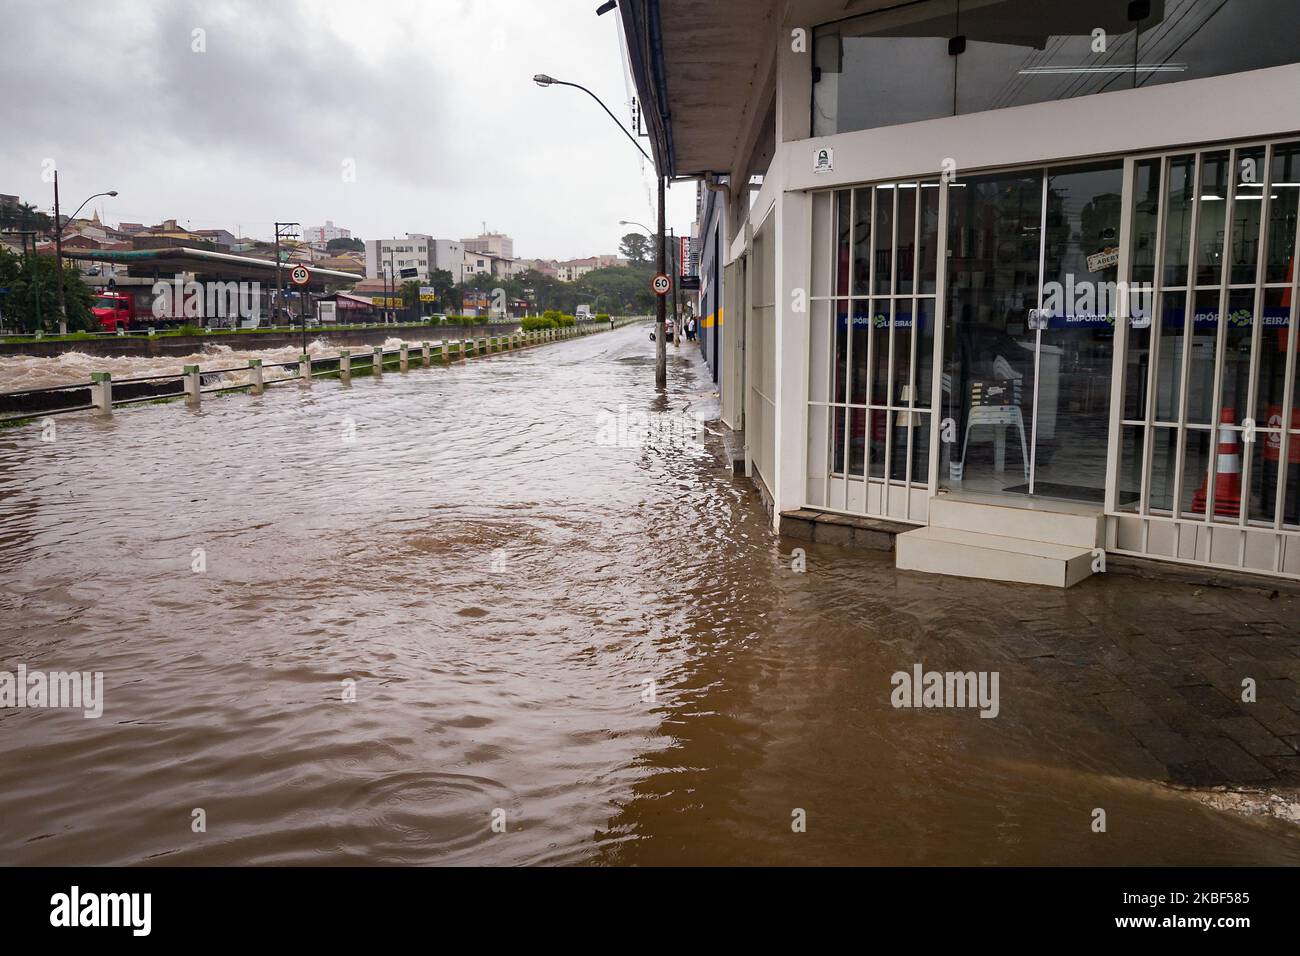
(344,244)
(33,299)
(618,290)
(24,216)
(636,247)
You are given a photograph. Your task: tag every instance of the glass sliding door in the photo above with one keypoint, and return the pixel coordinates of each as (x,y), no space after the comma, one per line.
(1033,258)
(994,258)
(1079,308)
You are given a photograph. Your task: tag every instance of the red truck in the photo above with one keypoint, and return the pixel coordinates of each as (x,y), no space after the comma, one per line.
(121,310)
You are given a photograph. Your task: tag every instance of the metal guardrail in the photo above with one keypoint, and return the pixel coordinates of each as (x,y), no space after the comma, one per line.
(103,393)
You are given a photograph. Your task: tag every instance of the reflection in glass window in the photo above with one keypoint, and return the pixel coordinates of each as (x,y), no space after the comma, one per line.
(895,66)
(1179,181)
(1284,194)
(1213,209)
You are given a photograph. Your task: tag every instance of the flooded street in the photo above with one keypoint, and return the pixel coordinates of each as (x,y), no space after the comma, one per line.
(600,638)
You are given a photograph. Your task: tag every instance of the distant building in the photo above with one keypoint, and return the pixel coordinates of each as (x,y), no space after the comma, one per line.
(573,269)
(220,237)
(493,243)
(417,251)
(325,233)
(168,229)
(486,262)
(350,262)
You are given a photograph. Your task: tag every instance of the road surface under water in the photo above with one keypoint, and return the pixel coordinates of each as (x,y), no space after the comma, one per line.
(488,556)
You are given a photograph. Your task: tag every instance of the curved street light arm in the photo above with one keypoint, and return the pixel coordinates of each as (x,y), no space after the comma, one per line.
(79,208)
(606,109)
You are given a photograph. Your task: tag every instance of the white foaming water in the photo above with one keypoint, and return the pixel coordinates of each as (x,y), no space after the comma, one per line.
(18,372)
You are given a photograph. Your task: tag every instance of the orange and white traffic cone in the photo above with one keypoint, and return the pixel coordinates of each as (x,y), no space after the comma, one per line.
(1227,472)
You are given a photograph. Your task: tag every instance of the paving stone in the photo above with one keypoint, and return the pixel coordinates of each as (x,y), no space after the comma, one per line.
(1206,700)
(1166,746)
(1287,769)
(1232,761)
(1278,720)
(1253,736)
(1196,773)
(1127,708)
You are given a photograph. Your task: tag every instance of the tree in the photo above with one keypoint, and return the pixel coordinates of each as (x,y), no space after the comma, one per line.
(345,245)
(617,289)
(33,301)
(24,216)
(443,284)
(635,247)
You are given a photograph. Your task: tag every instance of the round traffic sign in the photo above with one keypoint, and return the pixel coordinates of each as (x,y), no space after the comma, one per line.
(300,275)
(661,284)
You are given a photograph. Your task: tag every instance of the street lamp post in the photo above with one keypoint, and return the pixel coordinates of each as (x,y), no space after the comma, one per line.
(58,246)
(661,354)
(676,292)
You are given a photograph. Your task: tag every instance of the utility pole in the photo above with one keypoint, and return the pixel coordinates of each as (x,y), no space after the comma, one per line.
(58,256)
(58,246)
(283,230)
(661,350)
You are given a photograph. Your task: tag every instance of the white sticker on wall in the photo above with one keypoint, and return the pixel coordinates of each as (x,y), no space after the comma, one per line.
(823,160)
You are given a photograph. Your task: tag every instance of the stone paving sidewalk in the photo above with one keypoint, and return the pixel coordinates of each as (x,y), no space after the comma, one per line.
(1154,664)
(1166,662)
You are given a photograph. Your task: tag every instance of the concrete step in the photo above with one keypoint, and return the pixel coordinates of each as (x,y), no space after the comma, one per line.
(969,554)
(1055,523)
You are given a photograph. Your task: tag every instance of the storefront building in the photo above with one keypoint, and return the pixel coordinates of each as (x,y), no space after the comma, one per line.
(711,219)
(1018,274)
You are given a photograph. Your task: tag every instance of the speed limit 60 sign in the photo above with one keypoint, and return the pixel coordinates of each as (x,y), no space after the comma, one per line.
(661,284)
(300,275)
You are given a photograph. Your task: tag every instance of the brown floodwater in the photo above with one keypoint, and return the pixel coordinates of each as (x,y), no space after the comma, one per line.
(497,566)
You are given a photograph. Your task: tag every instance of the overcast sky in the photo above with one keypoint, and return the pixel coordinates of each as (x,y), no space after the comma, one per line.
(431,99)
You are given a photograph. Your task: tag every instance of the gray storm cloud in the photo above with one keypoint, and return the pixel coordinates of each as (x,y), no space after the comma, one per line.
(431,102)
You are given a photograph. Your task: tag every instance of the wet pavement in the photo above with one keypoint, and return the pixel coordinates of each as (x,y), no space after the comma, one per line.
(554,617)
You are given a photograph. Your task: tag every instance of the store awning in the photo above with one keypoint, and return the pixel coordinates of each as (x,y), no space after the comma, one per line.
(694,65)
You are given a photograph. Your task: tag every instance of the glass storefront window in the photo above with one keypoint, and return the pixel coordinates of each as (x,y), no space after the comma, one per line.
(888,68)
(898,66)
(1284,195)
(1146,219)
(1208,434)
(873,393)
(1180,175)
(1247,208)
(1169,374)
(1231,347)
(1212,199)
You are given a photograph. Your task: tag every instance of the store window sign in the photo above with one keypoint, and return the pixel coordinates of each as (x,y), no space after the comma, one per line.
(878,321)
(823,160)
(1103,260)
